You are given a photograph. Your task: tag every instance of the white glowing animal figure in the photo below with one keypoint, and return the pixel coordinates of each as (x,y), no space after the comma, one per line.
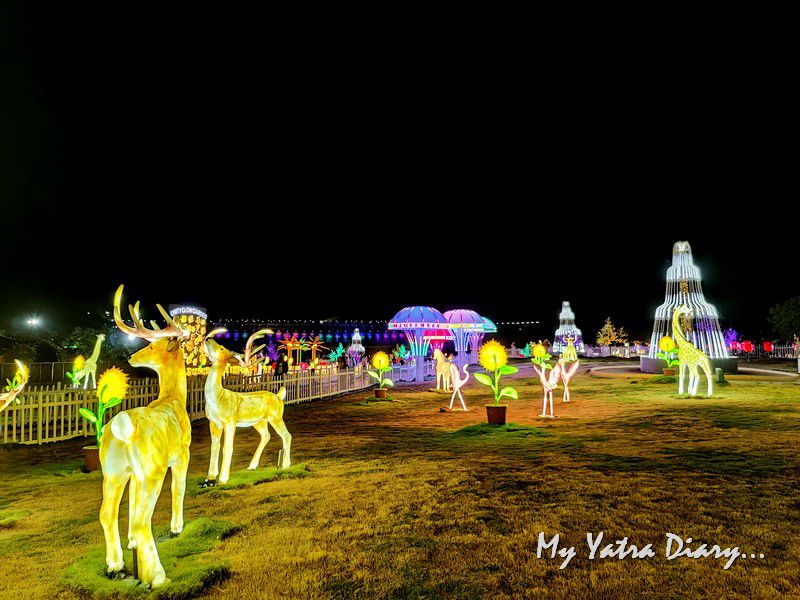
(142,443)
(226,410)
(458,384)
(89,368)
(549,383)
(691,359)
(442,370)
(566,374)
(14,387)
(568,353)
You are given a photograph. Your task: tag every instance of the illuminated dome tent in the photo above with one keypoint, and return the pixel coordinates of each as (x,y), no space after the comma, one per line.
(414,321)
(566,328)
(468,329)
(684,287)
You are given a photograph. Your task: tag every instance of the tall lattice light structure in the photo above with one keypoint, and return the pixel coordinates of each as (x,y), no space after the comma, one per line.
(567,329)
(684,286)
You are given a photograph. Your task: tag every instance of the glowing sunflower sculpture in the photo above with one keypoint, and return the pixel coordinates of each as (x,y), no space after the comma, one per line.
(541,356)
(77,367)
(112,386)
(494,359)
(668,352)
(380,361)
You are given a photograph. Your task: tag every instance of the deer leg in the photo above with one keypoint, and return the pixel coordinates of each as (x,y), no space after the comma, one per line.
(213,465)
(286,438)
(179,470)
(133,495)
(150,570)
(113,487)
(262,427)
(227,452)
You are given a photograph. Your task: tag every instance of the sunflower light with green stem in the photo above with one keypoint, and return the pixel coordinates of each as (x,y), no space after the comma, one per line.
(382,364)
(540,356)
(668,352)
(494,359)
(113,385)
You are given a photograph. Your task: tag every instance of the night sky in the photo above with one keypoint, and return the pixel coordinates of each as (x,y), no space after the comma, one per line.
(284,168)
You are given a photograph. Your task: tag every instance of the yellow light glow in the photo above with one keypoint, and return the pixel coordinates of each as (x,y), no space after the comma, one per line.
(492,356)
(78,363)
(113,383)
(539,350)
(380,361)
(666,344)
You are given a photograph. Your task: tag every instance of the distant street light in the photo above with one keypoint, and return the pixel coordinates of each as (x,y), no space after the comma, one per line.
(33,322)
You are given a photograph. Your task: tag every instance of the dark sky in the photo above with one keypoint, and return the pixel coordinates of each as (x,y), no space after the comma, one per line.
(301,166)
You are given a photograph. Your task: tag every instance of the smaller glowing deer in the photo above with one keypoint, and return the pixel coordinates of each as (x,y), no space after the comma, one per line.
(226,410)
(14,387)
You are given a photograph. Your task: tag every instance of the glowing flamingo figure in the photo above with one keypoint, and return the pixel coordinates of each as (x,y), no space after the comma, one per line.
(458,383)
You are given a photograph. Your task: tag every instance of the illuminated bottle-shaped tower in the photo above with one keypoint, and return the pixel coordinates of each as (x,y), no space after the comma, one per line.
(567,329)
(684,287)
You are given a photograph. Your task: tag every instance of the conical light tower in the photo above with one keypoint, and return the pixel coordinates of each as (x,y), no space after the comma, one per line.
(684,287)
(566,328)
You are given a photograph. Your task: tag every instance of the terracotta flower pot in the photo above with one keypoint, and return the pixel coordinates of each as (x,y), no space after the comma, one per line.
(668,371)
(380,392)
(91,458)
(496,415)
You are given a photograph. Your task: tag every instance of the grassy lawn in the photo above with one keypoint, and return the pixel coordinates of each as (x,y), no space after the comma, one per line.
(400,500)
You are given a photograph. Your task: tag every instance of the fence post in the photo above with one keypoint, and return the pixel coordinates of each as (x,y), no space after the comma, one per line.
(39,420)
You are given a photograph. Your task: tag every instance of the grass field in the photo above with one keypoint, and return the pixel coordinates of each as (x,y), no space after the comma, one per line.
(401,500)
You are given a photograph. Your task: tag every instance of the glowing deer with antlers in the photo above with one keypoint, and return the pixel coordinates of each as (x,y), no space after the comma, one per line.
(14,387)
(226,410)
(142,443)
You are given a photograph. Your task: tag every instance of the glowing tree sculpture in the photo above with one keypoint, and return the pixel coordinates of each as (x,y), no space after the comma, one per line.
(701,328)
(468,326)
(14,387)
(414,321)
(691,359)
(566,329)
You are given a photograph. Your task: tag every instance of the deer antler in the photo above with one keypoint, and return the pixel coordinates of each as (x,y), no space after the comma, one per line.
(246,360)
(19,382)
(173,330)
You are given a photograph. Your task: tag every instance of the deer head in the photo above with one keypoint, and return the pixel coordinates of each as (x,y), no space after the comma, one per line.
(164,347)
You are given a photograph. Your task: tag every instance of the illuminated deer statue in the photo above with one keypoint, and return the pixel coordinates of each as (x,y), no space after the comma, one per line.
(142,443)
(248,360)
(443,381)
(226,410)
(14,387)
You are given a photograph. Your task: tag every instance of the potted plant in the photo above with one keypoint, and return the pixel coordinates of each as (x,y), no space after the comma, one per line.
(668,354)
(112,386)
(382,364)
(492,357)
